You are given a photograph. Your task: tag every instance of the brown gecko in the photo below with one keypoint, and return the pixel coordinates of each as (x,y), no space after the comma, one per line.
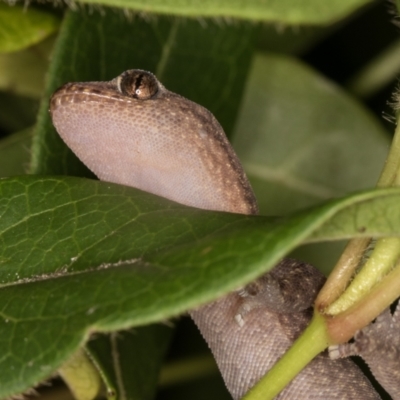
(133,131)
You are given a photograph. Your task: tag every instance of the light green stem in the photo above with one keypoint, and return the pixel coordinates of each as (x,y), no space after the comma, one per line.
(381,261)
(81,376)
(342,327)
(342,273)
(313,340)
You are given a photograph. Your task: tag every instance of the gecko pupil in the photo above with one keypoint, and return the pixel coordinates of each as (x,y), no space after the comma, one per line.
(139,84)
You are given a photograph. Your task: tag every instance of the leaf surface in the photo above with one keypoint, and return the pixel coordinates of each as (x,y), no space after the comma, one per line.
(298,136)
(283,11)
(67,268)
(21,27)
(14,153)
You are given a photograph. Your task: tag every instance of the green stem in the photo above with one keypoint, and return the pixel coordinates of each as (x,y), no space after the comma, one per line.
(81,376)
(342,273)
(342,327)
(313,340)
(383,258)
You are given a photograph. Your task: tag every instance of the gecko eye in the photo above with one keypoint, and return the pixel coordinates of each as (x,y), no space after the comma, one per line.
(141,85)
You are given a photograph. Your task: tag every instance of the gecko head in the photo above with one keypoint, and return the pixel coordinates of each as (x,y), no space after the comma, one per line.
(133,131)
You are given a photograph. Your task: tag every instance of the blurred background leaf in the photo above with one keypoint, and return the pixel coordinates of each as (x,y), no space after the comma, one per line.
(20,28)
(284,11)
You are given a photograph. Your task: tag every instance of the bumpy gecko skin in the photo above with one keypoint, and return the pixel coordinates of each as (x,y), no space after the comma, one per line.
(133,131)
(245,351)
(379,345)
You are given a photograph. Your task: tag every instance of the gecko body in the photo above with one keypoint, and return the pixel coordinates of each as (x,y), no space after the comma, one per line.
(135,132)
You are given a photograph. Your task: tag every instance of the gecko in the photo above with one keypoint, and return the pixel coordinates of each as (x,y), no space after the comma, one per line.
(135,132)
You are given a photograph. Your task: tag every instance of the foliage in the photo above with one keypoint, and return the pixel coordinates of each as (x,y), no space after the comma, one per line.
(82,259)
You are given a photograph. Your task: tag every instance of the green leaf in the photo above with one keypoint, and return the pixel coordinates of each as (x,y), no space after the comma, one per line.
(298,136)
(283,11)
(21,27)
(14,153)
(80,256)
(23,72)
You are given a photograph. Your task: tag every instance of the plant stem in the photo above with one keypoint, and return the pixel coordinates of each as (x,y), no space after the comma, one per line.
(81,376)
(342,273)
(342,327)
(381,261)
(313,340)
